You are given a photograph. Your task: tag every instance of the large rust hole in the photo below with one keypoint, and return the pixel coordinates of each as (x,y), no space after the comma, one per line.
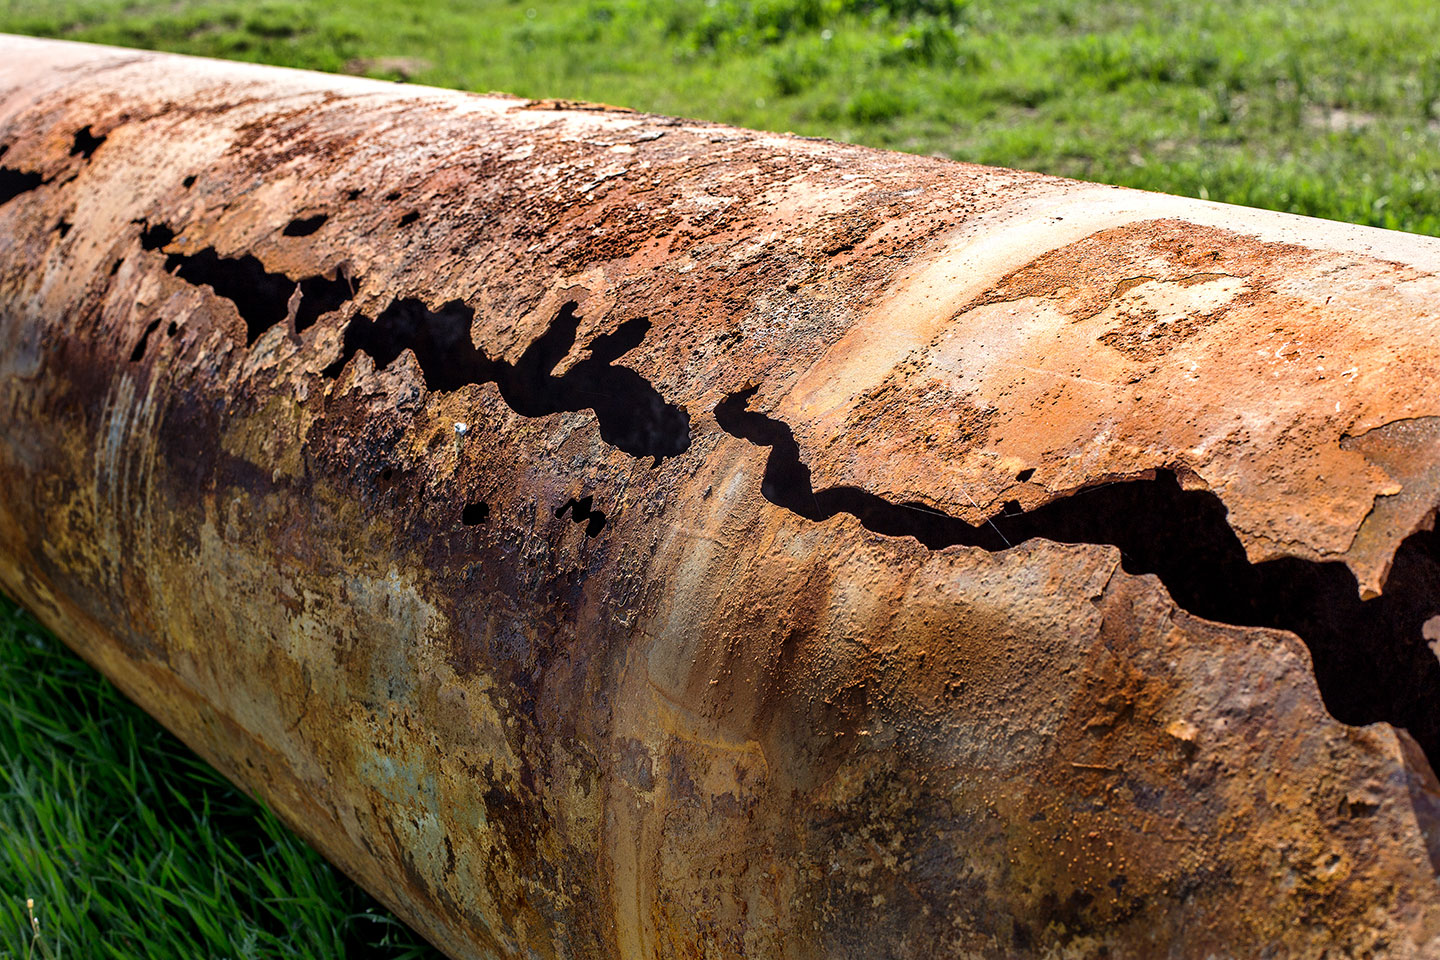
(85,143)
(138,353)
(631,413)
(261,297)
(14,182)
(582,511)
(319,296)
(1372,659)
(304,226)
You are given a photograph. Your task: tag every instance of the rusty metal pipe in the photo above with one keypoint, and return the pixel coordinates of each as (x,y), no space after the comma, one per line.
(606,535)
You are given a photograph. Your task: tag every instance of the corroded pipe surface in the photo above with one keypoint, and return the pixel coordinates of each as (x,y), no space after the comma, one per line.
(608,536)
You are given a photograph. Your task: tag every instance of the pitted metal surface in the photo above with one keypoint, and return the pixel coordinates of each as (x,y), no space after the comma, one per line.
(607,535)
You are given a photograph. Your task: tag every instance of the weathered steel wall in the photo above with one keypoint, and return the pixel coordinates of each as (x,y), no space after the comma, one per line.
(768,601)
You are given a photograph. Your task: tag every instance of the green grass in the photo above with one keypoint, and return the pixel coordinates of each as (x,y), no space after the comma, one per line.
(1321,107)
(132,848)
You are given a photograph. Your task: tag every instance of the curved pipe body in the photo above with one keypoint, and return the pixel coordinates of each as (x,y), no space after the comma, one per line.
(606,535)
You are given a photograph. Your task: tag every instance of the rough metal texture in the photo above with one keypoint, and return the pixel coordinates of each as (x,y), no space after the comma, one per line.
(770,603)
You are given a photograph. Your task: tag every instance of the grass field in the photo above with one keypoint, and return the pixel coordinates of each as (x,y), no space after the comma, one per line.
(1323,107)
(132,848)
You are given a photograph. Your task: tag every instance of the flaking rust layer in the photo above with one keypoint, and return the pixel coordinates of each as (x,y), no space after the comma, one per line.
(612,536)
